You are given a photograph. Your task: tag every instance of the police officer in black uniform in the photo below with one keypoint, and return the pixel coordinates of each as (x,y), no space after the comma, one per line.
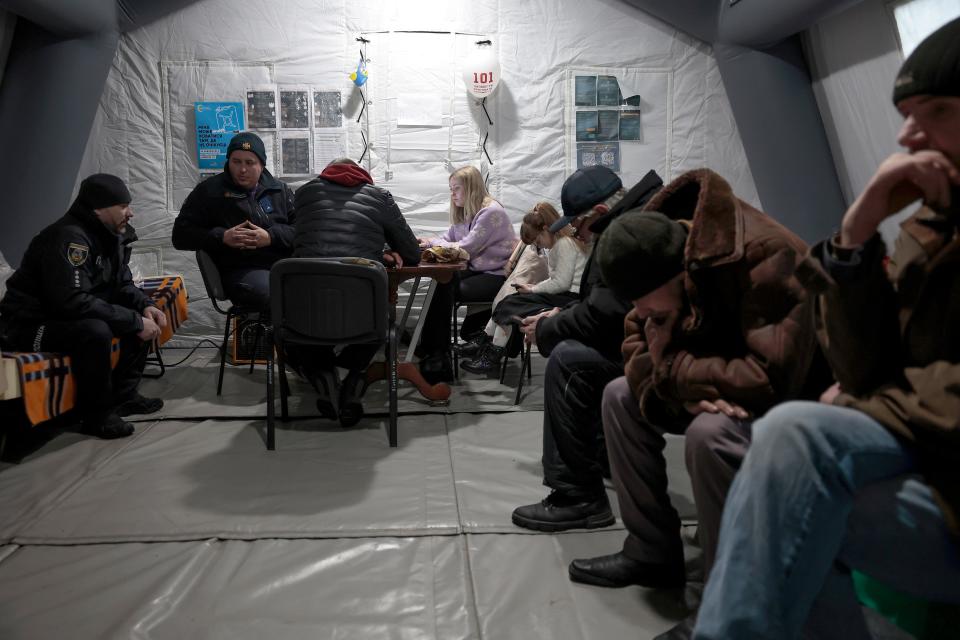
(73,293)
(243,217)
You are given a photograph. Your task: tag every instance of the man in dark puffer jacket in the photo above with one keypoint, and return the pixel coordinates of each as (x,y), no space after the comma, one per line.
(342,214)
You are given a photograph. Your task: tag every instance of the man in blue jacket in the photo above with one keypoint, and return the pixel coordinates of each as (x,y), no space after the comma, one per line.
(73,293)
(243,217)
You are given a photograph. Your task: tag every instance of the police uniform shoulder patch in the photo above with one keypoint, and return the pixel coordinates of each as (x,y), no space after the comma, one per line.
(77,253)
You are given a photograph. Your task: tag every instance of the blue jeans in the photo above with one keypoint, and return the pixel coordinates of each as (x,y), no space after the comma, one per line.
(823,489)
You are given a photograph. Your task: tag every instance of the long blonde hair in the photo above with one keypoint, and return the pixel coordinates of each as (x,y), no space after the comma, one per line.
(475,195)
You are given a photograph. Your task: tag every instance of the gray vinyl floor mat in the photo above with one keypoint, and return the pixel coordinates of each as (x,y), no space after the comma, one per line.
(526,593)
(496,464)
(191,529)
(197,480)
(343,588)
(30,490)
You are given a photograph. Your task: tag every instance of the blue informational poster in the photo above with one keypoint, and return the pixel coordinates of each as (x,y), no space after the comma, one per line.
(217,122)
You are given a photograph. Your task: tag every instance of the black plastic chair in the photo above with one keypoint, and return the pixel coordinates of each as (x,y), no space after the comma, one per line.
(215,291)
(328,302)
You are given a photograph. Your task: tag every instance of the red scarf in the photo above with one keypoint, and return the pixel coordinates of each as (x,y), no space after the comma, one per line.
(349,175)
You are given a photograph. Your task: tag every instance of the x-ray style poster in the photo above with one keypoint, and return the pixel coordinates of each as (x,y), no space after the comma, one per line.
(294,109)
(216,123)
(605,155)
(262,109)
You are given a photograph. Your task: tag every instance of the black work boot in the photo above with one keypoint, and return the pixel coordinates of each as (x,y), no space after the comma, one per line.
(487,362)
(351,392)
(107,427)
(473,346)
(139,405)
(559,512)
(619,570)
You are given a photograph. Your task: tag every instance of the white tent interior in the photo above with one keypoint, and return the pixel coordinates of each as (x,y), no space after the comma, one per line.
(189,529)
(144,127)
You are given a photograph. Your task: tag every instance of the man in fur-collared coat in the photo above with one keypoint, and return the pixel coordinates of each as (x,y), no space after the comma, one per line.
(721,330)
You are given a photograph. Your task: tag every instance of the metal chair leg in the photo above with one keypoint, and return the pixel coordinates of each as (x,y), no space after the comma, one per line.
(392,381)
(453,342)
(529,366)
(271,441)
(284,385)
(258,332)
(223,351)
(525,366)
(157,361)
(503,365)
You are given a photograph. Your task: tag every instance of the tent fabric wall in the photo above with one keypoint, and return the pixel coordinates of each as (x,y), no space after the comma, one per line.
(765,77)
(48,99)
(759,25)
(66,18)
(783,135)
(8,22)
(854,57)
(305,43)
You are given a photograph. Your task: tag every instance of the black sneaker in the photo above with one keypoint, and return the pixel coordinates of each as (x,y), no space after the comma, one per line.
(488,361)
(351,392)
(559,512)
(139,405)
(474,346)
(108,427)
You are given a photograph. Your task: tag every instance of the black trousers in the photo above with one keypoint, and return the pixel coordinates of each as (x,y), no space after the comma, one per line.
(248,286)
(99,388)
(528,304)
(466,286)
(574,454)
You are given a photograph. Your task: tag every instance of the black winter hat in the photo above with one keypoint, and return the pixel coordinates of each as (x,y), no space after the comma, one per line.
(640,251)
(934,66)
(247,141)
(102,190)
(583,189)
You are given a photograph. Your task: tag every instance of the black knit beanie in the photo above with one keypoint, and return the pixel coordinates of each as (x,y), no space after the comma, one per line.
(247,141)
(102,190)
(934,66)
(640,251)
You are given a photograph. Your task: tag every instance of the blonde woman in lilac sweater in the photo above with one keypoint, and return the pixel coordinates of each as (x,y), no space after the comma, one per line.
(480,226)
